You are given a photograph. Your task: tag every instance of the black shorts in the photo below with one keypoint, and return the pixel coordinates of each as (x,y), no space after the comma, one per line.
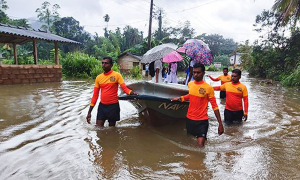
(231,117)
(110,112)
(197,128)
(222,94)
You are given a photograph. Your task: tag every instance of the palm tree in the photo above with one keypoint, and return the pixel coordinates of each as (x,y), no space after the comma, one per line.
(106,19)
(289,10)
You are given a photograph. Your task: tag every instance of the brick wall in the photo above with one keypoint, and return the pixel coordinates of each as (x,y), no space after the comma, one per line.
(24,74)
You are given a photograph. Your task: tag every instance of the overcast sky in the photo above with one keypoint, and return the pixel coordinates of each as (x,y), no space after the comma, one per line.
(229,18)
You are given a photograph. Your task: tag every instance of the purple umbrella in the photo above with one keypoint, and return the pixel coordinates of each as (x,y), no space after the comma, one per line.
(198,51)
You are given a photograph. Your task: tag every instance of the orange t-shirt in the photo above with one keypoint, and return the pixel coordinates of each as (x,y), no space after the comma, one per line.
(235,92)
(199,95)
(108,83)
(224,79)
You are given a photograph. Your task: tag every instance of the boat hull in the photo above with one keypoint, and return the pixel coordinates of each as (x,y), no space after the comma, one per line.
(154,102)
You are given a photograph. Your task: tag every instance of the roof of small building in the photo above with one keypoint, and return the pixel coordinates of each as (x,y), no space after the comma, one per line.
(129,54)
(19,35)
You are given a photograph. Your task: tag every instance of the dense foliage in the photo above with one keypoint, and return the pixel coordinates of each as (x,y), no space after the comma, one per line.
(275,55)
(79,65)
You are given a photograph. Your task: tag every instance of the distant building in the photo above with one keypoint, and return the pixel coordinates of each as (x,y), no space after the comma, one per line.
(235,59)
(217,64)
(127,61)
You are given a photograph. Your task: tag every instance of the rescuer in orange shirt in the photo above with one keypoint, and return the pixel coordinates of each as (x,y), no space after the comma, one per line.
(225,77)
(200,93)
(236,93)
(108,82)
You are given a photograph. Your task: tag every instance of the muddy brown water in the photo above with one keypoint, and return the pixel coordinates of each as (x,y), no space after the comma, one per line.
(44,135)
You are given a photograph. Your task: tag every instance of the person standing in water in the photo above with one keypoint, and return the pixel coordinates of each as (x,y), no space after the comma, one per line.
(236,93)
(108,82)
(200,93)
(172,74)
(225,77)
(157,78)
(189,72)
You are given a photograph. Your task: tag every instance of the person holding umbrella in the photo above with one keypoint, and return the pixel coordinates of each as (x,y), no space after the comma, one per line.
(199,52)
(154,56)
(189,74)
(172,74)
(157,67)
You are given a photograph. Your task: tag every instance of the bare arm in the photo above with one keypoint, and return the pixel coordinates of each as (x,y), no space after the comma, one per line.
(214,79)
(220,128)
(181,98)
(89,115)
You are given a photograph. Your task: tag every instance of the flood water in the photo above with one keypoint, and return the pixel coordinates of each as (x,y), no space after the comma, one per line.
(44,135)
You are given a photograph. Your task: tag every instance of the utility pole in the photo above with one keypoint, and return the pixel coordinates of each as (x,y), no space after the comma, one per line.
(150,25)
(235,55)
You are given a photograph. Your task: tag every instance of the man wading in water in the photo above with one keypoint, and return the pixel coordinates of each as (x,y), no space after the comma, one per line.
(199,94)
(224,79)
(236,92)
(108,82)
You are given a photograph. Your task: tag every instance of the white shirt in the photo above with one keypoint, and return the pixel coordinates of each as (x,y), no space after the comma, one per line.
(158,65)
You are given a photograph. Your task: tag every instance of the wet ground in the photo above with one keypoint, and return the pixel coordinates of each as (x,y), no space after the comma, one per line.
(44,135)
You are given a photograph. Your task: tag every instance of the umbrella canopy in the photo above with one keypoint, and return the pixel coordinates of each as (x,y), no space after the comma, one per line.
(181,49)
(158,52)
(172,57)
(198,51)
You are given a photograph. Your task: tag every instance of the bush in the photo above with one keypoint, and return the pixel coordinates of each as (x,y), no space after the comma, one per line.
(292,79)
(8,61)
(136,72)
(211,68)
(79,65)
(28,60)
(97,69)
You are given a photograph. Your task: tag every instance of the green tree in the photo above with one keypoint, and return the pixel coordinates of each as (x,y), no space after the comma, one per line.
(19,22)
(180,34)
(106,19)
(131,37)
(218,44)
(3,5)
(47,16)
(223,59)
(289,10)
(69,27)
(3,16)
(246,58)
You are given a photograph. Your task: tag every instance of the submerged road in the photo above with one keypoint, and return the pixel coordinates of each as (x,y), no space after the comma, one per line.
(44,135)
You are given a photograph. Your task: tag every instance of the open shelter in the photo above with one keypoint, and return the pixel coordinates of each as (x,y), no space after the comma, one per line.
(16,74)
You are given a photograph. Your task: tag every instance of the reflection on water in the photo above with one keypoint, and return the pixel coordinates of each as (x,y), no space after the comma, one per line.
(43,135)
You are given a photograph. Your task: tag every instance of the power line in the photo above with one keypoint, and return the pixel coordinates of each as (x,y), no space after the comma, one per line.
(129,7)
(193,7)
(116,24)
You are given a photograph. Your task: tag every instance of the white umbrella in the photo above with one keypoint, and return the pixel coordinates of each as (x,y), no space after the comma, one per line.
(158,52)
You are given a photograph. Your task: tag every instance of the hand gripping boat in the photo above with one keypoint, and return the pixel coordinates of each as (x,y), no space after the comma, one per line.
(154,102)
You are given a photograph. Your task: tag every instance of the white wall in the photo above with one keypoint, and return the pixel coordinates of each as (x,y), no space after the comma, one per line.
(237,61)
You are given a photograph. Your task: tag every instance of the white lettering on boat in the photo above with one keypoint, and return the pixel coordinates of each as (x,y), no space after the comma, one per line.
(171,106)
